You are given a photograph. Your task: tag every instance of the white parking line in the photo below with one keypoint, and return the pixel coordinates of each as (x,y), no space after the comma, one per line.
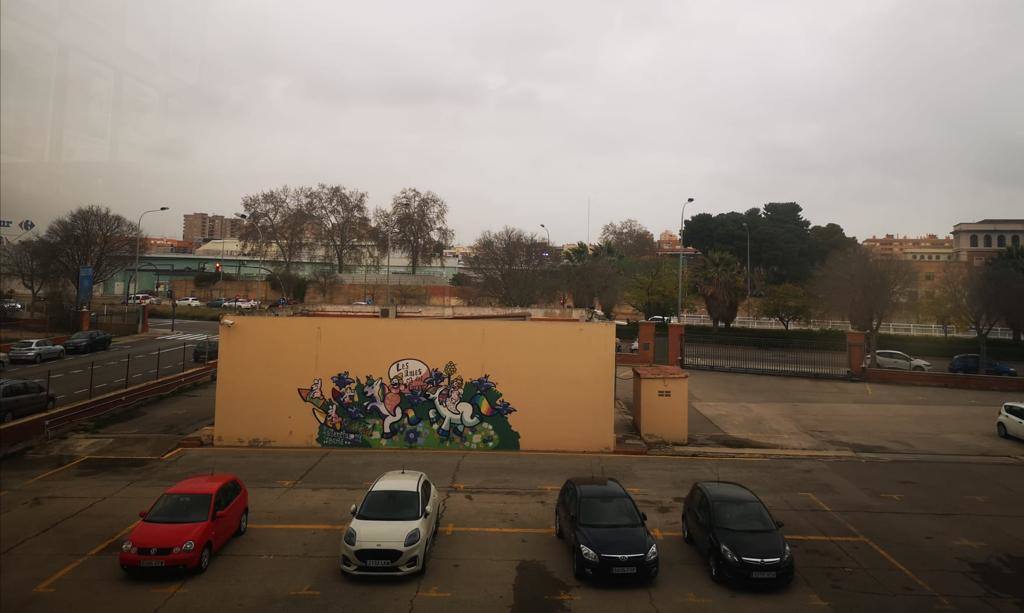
(75,372)
(61,396)
(82,391)
(57,376)
(102,385)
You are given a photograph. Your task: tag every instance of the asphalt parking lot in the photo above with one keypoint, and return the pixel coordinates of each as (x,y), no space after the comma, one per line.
(881,536)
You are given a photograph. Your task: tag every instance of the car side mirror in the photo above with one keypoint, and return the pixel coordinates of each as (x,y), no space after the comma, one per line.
(427,511)
(352,510)
(643,516)
(143,514)
(220,514)
(779,524)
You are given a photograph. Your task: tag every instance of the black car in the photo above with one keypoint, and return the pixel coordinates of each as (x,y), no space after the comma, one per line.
(606,532)
(88,341)
(21,398)
(205,351)
(731,527)
(968,363)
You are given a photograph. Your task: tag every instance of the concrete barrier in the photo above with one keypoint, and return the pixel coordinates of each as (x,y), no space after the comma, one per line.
(415,383)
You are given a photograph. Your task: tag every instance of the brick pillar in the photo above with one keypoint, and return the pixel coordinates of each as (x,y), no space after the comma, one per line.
(675,345)
(144,319)
(855,352)
(83,319)
(645,338)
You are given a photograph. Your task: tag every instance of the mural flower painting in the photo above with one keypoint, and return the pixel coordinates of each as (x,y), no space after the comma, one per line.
(412,405)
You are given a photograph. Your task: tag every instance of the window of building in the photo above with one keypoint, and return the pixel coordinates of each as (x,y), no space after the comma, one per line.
(974,240)
(988,240)
(1015,240)
(1000,241)
(929,276)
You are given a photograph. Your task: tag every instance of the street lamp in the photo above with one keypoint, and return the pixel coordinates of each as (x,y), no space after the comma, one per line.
(747,228)
(138,243)
(679,294)
(548,232)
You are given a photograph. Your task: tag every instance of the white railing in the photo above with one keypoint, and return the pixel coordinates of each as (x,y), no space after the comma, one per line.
(820,324)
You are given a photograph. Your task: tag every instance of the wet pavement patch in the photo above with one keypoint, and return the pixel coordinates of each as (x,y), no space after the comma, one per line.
(537,590)
(1001,575)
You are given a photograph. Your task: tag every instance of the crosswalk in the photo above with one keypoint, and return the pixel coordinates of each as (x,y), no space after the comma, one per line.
(181,336)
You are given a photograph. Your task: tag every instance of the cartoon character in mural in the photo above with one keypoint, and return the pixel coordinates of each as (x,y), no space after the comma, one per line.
(413,406)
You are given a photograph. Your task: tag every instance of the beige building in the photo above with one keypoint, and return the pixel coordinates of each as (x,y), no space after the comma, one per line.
(976,242)
(928,247)
(201,227)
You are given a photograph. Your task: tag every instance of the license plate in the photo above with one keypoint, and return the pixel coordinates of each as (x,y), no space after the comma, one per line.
(762,575)
(378,563)
(151,563)
(624,570)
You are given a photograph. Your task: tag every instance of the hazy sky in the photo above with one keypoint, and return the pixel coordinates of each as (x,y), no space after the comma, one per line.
(902,116)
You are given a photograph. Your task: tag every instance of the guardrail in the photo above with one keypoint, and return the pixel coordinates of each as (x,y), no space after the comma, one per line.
(46,424)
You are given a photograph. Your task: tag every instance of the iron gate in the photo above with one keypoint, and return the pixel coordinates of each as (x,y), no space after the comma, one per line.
(768,356)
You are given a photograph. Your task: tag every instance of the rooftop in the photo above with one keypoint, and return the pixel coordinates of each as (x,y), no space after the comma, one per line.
(399,480)
(598,486)
(203,484)
(725,490)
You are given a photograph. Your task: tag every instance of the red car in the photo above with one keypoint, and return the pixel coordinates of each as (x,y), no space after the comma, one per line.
(187,524)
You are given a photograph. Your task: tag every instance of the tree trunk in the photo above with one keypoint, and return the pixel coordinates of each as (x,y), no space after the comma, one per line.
(982,353)
(873,347)
(1016,335)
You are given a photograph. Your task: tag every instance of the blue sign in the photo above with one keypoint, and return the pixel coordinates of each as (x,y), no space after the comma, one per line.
(84,285)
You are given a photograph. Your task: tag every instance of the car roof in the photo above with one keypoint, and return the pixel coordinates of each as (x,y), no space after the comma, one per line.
(726,490)
(598,486)
(399,480)
(201,484)
(1019,405)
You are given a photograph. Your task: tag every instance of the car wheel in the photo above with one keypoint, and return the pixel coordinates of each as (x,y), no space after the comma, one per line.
(9,417)
(52,402)
(60,356)
(204,559)
(687,537)
(1000,428)
(918,369)
(426,558)
(39,358)
(713,568)
(243,523)
(558,526)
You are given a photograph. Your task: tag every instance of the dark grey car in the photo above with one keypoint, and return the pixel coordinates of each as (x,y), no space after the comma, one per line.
(21,398)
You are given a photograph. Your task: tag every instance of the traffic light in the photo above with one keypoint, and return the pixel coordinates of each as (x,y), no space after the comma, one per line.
(217,267)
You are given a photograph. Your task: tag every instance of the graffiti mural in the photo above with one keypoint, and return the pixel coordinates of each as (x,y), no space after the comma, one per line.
(412,405)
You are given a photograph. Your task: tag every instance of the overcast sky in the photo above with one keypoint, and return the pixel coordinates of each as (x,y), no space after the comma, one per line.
(902,116)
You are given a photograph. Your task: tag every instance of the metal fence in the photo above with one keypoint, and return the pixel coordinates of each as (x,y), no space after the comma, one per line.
(824,324)
(766,356)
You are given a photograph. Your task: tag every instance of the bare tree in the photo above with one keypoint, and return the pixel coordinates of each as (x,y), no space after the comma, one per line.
(91,236)
(510,267)
(867,289)
(30,262)
(325,279)
(343,221)
(419,225)
(629,239)
(973,293)
(280,219)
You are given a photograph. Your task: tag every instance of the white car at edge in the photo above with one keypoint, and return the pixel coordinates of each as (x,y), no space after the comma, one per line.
(1011,420)
(191,301)
(887,358)
(394,526)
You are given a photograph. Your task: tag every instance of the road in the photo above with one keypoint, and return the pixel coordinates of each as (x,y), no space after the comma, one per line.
(893,536)
(135,358)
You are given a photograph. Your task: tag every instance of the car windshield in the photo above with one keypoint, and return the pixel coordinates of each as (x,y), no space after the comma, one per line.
(386,505)
(22,345)
(745,516)
(180,509)
(77,335)
(608,512)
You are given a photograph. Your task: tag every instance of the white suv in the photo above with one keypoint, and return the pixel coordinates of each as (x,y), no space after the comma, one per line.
(393,527)
(191,301)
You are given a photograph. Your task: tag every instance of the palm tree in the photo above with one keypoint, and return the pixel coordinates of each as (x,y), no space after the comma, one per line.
(719,280)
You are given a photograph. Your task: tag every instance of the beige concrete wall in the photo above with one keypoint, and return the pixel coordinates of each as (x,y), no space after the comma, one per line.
(557,379)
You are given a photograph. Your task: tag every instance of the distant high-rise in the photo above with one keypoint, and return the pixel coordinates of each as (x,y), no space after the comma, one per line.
(198,228)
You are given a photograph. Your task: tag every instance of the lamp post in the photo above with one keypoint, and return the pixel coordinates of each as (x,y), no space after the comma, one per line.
(138,243)
(259,233)
(548,232)
(679,294)
(747,228)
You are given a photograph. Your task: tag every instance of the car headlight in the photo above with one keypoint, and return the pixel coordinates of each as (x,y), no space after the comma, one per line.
(188,546)
(786,551)
(350,537)
(412,538)
(126,546)
(728,554)
(588,553)
(652,553)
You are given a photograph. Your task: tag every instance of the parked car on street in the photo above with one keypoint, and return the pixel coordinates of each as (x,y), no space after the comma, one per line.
(394,526)
(10,305)
(190,301)
(188,524)
(730,526)
(1011,420)
(205,351)
(240,303)
(216,303)
(138,299)
(35,350)
(88,341)
(898,360)
(606,532)
(4,361)
(21,398)
(968,363)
